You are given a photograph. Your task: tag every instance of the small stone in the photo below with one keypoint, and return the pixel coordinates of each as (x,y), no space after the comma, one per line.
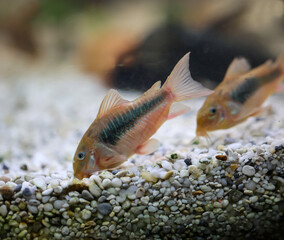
(184,173)
(126,205)
(194,171)
(47,191)
(125,179)
(205,188)
(34,202)
(221,157)
(58,204)
(235,196)
(253,199)
(87,195)
(57,189)
(24,167)
(106,175)
(198,192)
(179,165)
(86,214)
(152,209)
(121,173)
(269,186)
(47,207)
(94,189)
(205,161)
(167,175)
(140,192)
(97,180)
(187,161)
(33,209)
(27,192)
(248,170)
(174,208)
(23,233)
(65,230)
(116,182)
(40,183)
(174,156)
(148,177)
(166,165)
(7,192)
(106,183)
(104,208)
(116,209)
(3,210)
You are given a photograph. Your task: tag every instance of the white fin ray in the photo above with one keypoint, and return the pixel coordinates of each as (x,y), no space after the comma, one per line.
(181,84)
(177,109)
(237,67)
(111,100)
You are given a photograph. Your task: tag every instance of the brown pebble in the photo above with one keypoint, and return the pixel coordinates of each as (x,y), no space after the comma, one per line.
(198,192)
(234,166)
(7,192)
(221,157)
(4,179)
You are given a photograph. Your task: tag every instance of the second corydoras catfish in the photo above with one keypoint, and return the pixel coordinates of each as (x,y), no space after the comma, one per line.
(240,95)
(123,127)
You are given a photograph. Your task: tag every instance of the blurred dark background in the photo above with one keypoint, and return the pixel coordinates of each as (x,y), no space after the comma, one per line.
(131,45)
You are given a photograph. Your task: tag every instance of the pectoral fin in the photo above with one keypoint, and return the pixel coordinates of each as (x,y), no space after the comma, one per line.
(177,109)
(148,147)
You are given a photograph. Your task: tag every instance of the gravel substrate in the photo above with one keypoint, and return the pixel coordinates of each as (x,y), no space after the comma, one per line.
(231,188)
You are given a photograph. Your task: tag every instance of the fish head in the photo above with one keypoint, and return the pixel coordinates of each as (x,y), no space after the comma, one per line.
(210,117)
(85,161)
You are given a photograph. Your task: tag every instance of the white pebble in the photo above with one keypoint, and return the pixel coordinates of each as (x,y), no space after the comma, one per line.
(47,192)
(116,182)
(40,183)
(166,165)
(248,170)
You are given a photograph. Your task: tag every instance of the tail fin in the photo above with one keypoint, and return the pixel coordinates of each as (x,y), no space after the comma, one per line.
(181,84)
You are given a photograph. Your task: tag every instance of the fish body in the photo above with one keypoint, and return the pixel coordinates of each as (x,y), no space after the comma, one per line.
(123,128)
(240,95)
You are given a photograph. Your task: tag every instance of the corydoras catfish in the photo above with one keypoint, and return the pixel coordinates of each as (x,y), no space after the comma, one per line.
(240,95)
(123,128)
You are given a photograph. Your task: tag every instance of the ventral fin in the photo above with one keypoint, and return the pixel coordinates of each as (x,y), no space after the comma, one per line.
(177,109)
(156,86)
(111,100)
(148,147)
(237,67)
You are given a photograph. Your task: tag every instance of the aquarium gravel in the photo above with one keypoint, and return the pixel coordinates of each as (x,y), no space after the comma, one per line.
(230,187)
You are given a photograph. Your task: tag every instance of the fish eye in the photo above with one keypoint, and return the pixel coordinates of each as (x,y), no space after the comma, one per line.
(81,155)
(212,110)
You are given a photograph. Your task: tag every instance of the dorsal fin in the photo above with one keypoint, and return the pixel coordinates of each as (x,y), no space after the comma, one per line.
(111,100)
(237,67)
(156,86)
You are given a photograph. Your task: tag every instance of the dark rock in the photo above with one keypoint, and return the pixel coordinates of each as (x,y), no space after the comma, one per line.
(27,192)
(87,195)
(188,161)
(104,208)
(166,229)
(235,196)
(18,188)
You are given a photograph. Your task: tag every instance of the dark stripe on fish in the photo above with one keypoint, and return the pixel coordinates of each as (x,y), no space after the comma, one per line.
(123,122)
(244,91)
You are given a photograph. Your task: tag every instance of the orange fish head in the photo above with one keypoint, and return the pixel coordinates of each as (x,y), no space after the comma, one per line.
(210,117)
(85,161)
